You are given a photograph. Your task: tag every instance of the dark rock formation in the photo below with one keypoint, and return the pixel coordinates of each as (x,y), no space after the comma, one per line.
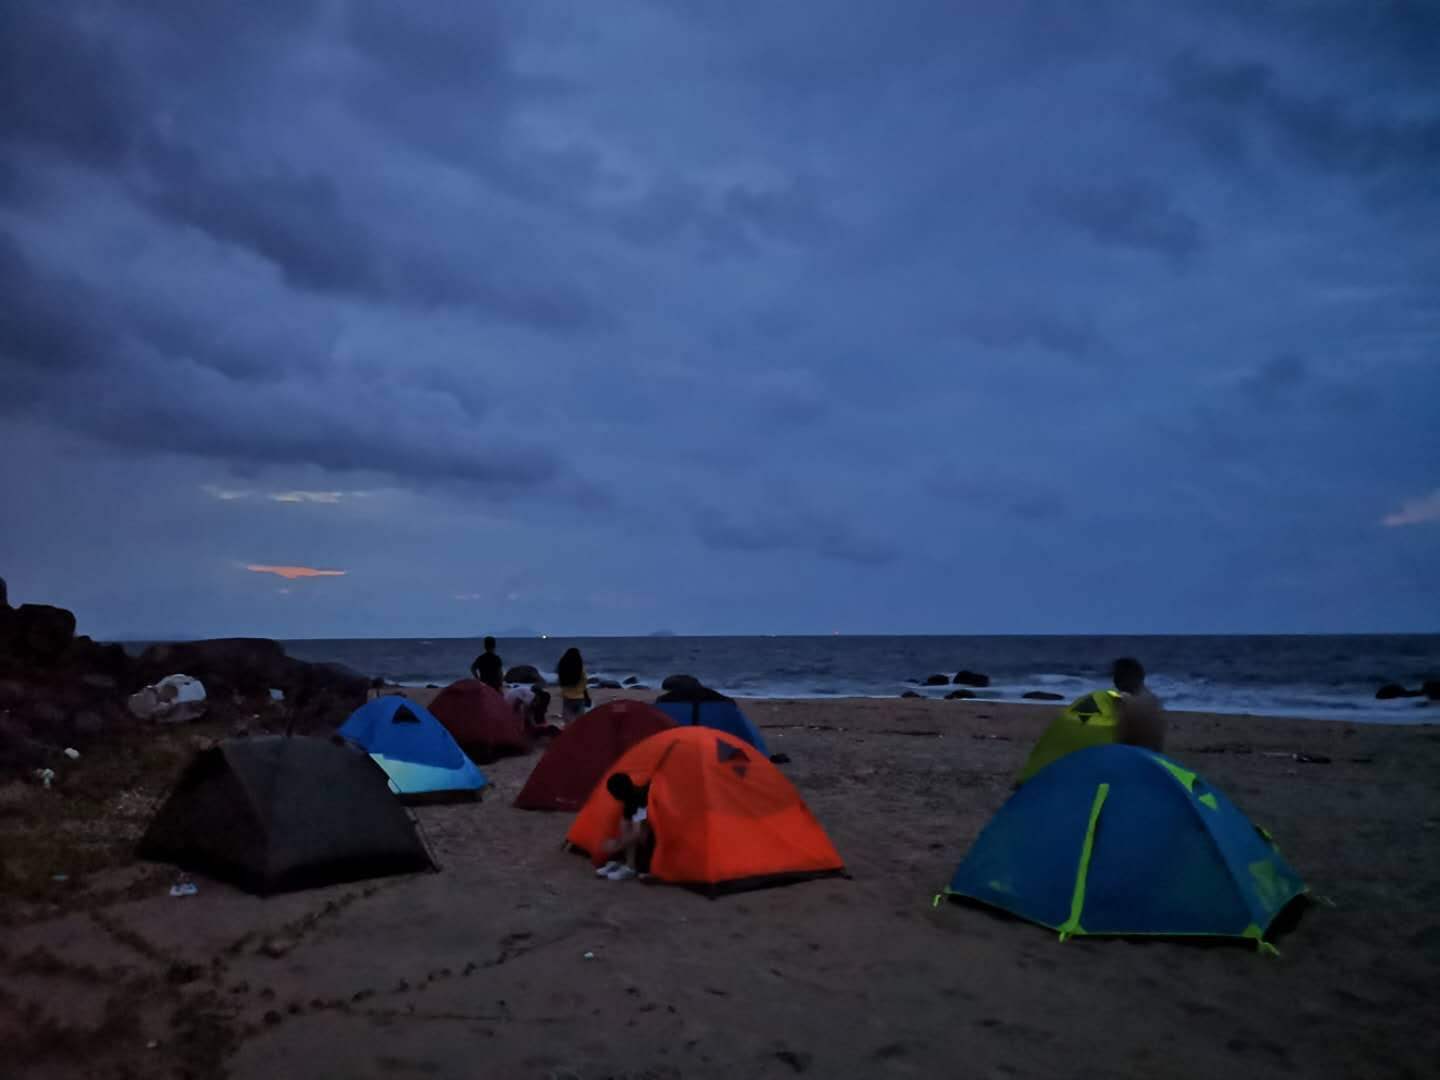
(970,678)
(524,673)
(959,695)
(680,682)
(1390,691)
(936,680)
(607,684)
(629,680)
(911,693)
(1431,689)
(1042,695)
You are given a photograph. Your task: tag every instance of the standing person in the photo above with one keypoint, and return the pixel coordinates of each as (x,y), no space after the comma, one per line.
(1142,718)
(488,668)
(574,694)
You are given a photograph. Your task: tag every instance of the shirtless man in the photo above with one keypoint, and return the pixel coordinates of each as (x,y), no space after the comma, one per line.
(1142,718)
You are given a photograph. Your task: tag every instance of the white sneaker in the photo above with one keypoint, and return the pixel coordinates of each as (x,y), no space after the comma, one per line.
(608,869)
(621,873)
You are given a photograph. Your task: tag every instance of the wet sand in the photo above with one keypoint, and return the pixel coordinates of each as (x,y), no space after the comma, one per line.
(514,961)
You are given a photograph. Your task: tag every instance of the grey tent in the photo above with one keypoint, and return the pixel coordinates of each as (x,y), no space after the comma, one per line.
(284,812)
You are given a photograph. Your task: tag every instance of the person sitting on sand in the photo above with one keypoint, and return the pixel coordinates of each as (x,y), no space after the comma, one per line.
(629,852)
(531,703)
(488,668)
(574,693)
(1141,720)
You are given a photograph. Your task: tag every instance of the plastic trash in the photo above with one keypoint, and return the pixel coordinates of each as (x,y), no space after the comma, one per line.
(72,753)
(184,886)
(589,956)
(173,700)
(45,776)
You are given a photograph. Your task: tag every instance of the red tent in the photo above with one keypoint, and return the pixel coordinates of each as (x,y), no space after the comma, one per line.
(580,757)
(480,719)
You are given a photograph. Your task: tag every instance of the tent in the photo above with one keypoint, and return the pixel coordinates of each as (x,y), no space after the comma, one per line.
(1120,840)
(576,761)
(278,812)
(413,748)
(703,707)
(724,817)
(480,719)
(1089,720)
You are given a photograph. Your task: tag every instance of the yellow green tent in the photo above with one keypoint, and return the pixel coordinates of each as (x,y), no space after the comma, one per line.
(1089,720)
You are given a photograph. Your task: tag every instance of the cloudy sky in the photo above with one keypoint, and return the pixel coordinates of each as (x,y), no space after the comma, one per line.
(340,318)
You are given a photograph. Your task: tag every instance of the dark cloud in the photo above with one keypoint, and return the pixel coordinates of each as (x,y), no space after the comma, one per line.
(792,530)
(1238,108)
(1135,214)
(1056,333)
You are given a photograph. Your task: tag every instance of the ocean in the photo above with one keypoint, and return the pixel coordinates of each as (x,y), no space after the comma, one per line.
(1321,677)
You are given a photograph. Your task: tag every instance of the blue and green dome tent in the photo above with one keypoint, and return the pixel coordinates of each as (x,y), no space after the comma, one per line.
(1122,841)
(413,747)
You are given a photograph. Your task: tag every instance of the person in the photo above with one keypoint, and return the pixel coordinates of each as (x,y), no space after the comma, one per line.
(629,852)
(531,703)
(574,693)
(1141,719)
(488,668)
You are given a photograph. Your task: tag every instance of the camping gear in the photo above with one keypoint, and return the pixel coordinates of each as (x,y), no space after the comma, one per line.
(702,707)
(1089,720)
(480,719)
(278,812)
(175,699)
(724,818)
(584,752)
(1120,840)
(414,749)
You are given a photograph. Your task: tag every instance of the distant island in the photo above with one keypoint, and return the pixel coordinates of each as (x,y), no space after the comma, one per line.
(661,633)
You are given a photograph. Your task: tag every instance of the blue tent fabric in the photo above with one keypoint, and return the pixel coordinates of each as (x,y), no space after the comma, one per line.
(1119,840)
(413,747)
(721,715)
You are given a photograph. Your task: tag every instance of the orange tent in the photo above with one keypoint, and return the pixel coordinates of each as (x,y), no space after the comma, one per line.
(723,816)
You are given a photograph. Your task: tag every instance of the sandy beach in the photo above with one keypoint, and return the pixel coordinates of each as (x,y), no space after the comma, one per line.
(514,962)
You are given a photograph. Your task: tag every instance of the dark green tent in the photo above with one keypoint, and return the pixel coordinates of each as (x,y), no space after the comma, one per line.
(284,812)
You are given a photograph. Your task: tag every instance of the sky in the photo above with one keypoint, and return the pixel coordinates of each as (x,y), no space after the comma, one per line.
(328,318)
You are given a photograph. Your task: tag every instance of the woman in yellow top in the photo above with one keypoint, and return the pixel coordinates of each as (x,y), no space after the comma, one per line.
(574,693)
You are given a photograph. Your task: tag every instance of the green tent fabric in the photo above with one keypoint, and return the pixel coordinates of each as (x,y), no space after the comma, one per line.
(1089,720)
(1122,841)
(277,813)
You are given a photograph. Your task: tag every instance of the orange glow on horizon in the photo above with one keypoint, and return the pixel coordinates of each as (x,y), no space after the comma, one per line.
(290,573)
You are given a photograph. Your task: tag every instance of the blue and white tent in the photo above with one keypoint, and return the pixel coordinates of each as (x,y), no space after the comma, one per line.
(413,748)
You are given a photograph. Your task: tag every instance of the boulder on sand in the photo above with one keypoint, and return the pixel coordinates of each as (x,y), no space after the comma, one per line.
(526,674)
(1431,689)
(629,680)
(959,695)
(970,678)
(680,683)
(40,633)
(1042,695)
(936,680)
(911,693)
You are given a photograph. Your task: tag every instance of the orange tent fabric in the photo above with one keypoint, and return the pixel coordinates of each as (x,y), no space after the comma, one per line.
(480,719)
(584,753)
(723,816)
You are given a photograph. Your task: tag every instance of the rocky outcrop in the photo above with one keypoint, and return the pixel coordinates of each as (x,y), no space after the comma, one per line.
(936,680)
(959,695)
(606,684)
(1042,695)
(1431,689)
(629,680)
(1391,691)
(911,694)
(680,683)
(971,678)
(524,673)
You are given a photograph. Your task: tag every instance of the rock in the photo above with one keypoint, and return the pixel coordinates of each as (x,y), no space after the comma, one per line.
(936,680)
(47,717)
(1390,691)
(99,681)
(606,684)
(629,680)
(959,695)
(1042,695)
(41,633)
(970,678)
(524,673)
(639,686)
(4,594)
(1431,689)
(911,693)
(680,682)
